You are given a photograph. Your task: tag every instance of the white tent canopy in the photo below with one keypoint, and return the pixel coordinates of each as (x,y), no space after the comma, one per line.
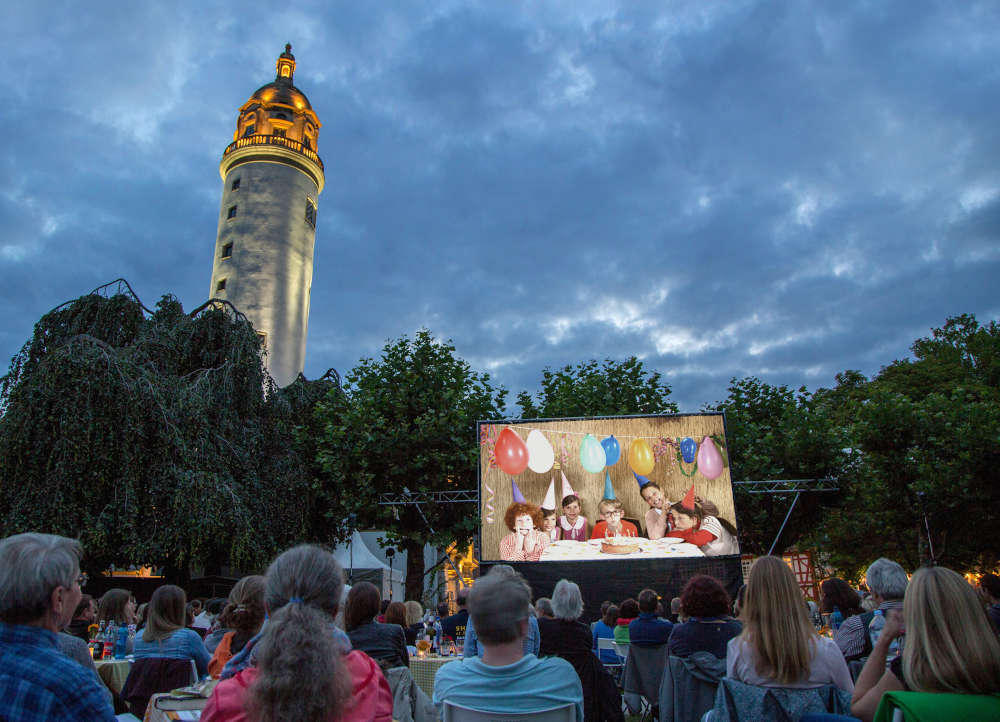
(356,554)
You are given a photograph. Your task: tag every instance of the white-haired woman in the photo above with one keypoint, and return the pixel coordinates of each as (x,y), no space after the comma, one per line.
(950,647)
(565,635)
(305,672)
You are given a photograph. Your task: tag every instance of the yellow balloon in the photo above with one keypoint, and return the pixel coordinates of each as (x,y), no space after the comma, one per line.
(640,457)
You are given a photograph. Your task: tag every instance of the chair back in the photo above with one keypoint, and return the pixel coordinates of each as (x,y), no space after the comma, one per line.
(689,685)
(736,701)
(155,674)
(458,713)
(607,644)
(409,702)
(643,673)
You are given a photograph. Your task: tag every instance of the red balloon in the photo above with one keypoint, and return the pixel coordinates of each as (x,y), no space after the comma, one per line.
(511,452)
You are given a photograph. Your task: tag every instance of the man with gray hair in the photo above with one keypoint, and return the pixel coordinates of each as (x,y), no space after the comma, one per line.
(887,582)
(505,680)
(39,591)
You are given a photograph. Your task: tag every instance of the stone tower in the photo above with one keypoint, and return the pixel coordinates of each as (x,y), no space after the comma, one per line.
(271,181)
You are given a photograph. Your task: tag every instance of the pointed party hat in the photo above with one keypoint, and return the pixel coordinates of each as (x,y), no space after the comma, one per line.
(550,496)
(567,489)
(641,480)
(518,496)
(609,491)
(688,502)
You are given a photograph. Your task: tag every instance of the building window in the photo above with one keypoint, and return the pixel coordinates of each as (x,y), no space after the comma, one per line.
(262,338)
(221,285)
(249,130)
(227,251)
(236,185)
(307,142)
(280,132)
(232,212)
(310,213)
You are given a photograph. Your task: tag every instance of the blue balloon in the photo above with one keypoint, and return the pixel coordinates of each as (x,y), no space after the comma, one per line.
(612,450)
(689,448)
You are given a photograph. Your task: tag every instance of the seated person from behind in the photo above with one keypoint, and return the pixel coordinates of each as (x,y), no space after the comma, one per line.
(241,619)
(532,641)
(83,617)
(628,611)
(505,680)
(165,636)
(887,581)
(989,590)
(950,648)
(454,626)
(708,626)
(649,630)
(604,628)
(525,543)
(612,525)
(714,536)
(563,634)
(779,646)
(303,666)
(385,643)
(572,524)
(39,591)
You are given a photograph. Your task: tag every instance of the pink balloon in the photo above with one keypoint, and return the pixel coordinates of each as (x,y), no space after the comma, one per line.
(709,459)
(511,452)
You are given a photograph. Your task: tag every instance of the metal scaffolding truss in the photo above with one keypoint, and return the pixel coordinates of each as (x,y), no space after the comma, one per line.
(787,486)
(429,497)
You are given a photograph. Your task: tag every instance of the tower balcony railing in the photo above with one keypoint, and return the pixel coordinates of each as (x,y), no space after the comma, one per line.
(251,140)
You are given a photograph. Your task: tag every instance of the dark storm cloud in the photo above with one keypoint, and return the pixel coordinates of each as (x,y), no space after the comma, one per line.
(786,190)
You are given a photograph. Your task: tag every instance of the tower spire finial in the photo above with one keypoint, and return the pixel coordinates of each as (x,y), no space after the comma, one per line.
(286,64)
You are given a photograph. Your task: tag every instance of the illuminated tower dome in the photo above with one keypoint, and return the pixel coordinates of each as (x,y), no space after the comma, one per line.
(271,179)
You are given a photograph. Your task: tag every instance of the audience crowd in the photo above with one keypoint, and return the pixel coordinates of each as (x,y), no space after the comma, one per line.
(295,644)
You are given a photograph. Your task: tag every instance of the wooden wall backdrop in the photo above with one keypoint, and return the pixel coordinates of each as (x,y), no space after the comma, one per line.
(590,487)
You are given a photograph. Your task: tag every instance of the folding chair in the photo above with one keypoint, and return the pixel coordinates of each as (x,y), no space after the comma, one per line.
(615,669)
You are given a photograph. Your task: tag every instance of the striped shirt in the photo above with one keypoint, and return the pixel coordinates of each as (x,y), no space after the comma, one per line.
(851,635)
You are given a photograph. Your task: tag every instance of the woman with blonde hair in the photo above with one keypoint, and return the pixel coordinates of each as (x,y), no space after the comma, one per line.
(779,646)
(950,645)
(305,669)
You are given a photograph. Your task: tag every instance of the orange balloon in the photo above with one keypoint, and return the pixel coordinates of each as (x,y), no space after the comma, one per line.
(640,457)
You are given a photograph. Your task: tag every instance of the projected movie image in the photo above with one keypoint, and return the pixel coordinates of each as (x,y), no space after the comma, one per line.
(606,488)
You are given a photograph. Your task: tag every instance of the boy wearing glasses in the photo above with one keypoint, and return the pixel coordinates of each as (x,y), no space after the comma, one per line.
(612,525)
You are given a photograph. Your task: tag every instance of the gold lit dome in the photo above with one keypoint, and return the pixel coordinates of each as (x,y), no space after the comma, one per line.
(279,109)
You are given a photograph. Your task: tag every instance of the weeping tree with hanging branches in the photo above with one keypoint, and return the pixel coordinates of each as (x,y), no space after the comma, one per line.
(154,436)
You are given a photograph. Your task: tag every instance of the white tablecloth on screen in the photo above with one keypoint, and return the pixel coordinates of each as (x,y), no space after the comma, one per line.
(565,550)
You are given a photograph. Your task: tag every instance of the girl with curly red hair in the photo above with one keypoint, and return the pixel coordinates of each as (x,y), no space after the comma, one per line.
(525,543)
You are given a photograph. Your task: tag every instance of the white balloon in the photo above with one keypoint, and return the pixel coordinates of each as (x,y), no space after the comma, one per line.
(541,455)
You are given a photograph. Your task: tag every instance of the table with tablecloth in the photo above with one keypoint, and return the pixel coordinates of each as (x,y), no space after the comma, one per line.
(666,548)
(423,670)
(114,672)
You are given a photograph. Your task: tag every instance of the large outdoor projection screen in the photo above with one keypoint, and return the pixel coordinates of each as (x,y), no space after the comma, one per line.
(676,442)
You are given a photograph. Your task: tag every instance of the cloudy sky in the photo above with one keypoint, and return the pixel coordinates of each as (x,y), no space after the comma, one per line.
(779,189)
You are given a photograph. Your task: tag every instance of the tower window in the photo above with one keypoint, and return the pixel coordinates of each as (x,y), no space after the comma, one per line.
(310,213)
(262,338)
(279,132)
(236,185)
(227,251)
(249,130)
(221,285)
(232,212)
(307,142)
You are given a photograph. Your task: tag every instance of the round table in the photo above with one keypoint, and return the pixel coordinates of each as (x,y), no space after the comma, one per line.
(113,672)
(424,668)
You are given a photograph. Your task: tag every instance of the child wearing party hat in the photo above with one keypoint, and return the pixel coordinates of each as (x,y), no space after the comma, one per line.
(572,524)
(712,535)
(612,510)
(549,520)
(525,543)
(657,517)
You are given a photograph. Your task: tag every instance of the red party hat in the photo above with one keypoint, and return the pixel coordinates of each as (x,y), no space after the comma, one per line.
(688,502)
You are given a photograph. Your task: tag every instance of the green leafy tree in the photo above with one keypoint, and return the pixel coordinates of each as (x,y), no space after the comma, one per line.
(406,421)
(775,433)
(155,437)
(926,435)
(611,388)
